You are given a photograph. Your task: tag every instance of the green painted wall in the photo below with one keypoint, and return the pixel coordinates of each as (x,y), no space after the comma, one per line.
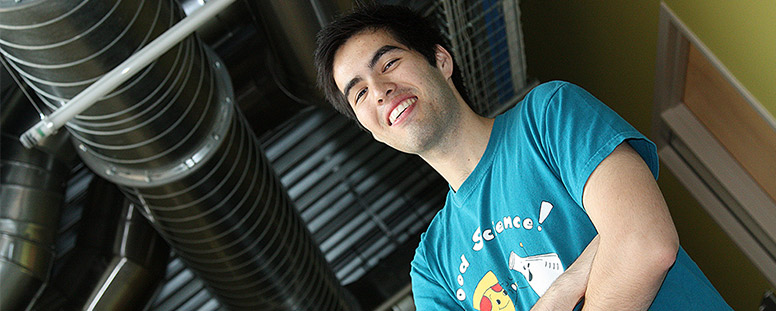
(609,47)
(742,34)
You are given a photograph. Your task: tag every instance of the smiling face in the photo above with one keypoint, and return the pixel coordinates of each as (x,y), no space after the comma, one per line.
(496,298)
(490,296)
(404,101)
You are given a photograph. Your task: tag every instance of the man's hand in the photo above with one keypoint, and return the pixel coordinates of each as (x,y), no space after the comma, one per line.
(638,239)
(570,286)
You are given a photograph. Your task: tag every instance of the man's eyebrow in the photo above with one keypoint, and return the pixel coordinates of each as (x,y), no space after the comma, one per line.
(351,84)
(379,53)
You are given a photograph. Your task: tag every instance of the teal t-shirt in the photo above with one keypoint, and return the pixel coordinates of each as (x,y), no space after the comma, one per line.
(517,221)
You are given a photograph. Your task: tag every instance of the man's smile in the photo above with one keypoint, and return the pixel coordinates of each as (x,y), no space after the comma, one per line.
(400,107)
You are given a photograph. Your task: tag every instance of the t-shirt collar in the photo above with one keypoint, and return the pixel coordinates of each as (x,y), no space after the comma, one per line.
(486,161)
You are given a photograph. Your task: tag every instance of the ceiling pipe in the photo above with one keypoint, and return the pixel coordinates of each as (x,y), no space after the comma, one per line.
(32,189)
(110,233)
(136,269)
(291,26)
(172,138)
(121,73)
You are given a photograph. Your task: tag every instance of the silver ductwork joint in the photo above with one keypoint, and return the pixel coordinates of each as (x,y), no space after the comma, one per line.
(32,191)
(172,138)
(138,264)
(291,26)
(118,260)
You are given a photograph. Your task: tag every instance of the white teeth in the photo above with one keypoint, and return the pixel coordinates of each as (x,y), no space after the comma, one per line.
(400,109)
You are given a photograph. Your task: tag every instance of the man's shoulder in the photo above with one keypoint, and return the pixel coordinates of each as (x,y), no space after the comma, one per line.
(537,99)
(544,99)
(531,109)
(550,87)
(544,93)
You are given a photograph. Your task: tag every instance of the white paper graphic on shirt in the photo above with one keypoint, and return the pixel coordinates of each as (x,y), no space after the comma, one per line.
(539,270)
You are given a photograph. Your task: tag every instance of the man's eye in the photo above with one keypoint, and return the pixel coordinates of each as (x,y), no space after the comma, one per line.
(359,94)
(389,64)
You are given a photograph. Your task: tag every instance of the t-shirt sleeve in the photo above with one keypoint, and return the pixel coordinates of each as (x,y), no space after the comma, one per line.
(426,291)
(578,132)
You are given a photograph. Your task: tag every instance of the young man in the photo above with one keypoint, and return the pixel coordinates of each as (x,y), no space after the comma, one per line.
(556,180)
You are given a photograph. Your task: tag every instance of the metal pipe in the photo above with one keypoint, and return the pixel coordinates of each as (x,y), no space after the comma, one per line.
(137,267)
(110,233)
(233,224)
(172,138)
(149,128)
(52,123)
(83,264)
(292,25)
(32,187)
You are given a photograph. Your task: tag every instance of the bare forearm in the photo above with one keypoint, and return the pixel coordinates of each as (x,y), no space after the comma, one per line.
(570,286)
(627,275)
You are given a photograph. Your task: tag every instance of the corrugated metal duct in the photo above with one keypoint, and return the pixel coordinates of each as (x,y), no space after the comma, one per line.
(32,190)
(291,26)
(117,262)
(174,141)
(136,267)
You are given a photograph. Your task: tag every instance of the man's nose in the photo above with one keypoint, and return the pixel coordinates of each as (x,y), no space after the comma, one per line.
(384,91)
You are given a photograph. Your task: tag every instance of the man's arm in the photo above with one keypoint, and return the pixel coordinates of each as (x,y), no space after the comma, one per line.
(566,291)
(638,240)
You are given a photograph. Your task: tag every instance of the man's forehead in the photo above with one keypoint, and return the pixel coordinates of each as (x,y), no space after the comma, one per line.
(377,34)
(365,42)
(357,52)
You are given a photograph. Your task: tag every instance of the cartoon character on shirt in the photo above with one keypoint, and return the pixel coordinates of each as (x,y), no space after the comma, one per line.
(490,296)
(540,270)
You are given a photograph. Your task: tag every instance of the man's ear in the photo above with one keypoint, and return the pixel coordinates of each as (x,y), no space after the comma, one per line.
(444,61)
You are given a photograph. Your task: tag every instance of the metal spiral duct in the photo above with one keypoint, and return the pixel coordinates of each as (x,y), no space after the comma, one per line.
(172,138)
(32,189)
(117,262)
(60,47)
(137,267)
(232,222)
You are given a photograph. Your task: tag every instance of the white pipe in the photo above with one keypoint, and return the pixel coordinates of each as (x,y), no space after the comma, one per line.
(86,98)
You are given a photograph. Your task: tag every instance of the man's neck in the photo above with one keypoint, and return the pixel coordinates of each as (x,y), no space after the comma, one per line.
(459,153)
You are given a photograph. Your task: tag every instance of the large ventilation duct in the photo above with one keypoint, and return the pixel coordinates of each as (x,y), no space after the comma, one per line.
(138,264)
(117,262)
(292,25)
(171,137)
(147,124)
(32,189)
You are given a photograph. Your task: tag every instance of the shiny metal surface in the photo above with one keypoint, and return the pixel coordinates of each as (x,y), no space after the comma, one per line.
(150,120)
(292,26)
(32,187)
(225,214)
(149,53)
(117,262)
(208,139)
(360,198)
(137,267)
(233,224)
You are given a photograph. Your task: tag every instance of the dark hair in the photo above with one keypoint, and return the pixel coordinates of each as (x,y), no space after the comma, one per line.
(406,27)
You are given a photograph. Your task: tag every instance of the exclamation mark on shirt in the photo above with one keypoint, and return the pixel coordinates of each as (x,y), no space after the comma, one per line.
(544,211)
